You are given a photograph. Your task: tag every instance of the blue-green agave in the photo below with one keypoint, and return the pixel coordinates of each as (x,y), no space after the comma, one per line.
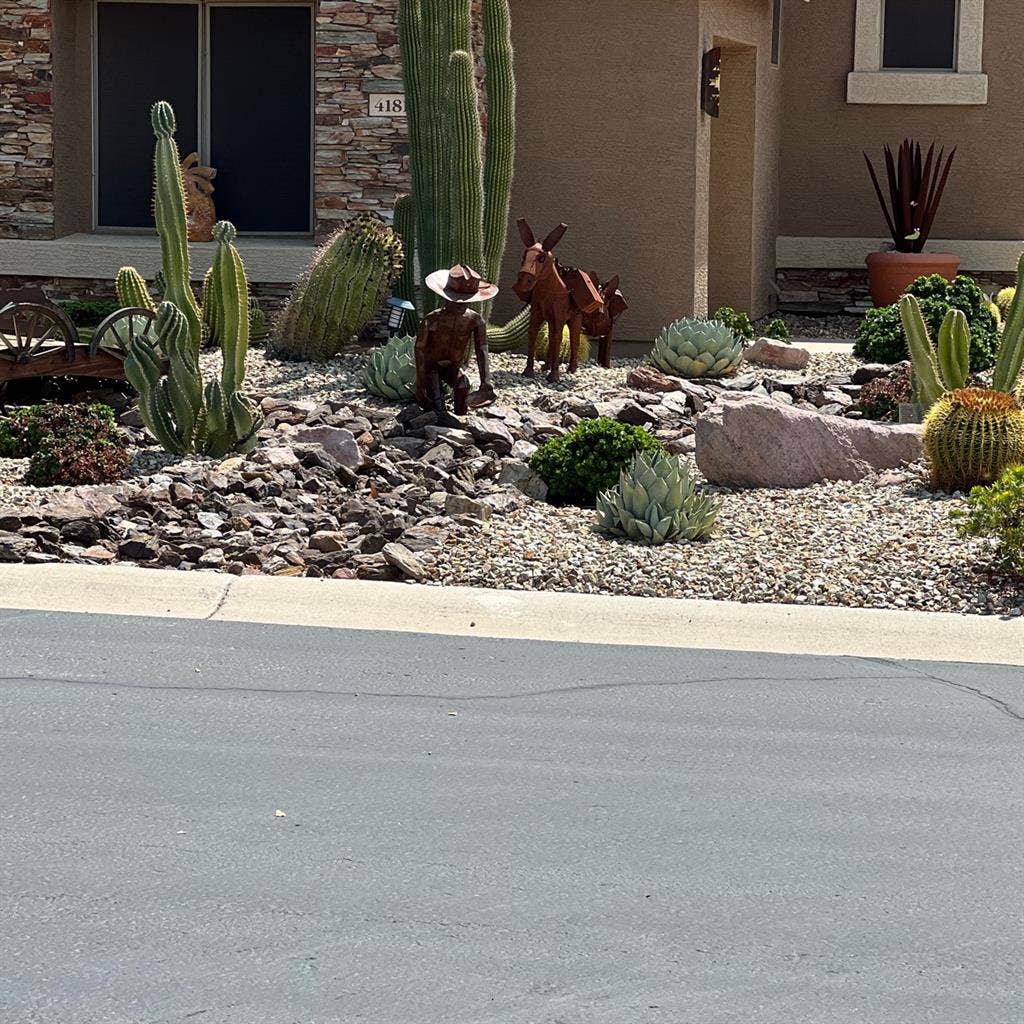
(656,501)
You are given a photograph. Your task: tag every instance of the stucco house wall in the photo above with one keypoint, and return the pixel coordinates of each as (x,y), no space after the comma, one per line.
(827,194)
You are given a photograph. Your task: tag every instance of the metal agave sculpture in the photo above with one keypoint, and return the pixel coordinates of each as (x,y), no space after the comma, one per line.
(915,192)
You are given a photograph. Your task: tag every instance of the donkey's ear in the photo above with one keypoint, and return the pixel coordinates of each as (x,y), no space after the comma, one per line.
(554,238)
(526,233)
(613,285)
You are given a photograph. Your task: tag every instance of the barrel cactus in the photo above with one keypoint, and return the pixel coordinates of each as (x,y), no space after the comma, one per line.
(339,292)
(391,371)
(698,348)
(971,436)
(1003,300)
(656,501)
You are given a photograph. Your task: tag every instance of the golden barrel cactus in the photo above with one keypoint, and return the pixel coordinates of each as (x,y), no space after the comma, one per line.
(971,436)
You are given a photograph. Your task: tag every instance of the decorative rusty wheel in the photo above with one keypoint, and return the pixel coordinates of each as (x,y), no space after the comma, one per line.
(29,330)
(116,334)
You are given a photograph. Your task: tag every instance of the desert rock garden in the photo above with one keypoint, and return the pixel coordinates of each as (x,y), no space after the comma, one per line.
(725,462)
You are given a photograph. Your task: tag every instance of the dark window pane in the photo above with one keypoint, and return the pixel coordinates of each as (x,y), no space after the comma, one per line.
(145,53)
(776,31)
(920,34)
(260,116)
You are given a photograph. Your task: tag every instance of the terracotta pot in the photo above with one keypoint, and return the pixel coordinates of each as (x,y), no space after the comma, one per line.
(890,274)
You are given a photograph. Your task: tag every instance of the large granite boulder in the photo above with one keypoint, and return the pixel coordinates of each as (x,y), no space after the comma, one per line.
(751,441)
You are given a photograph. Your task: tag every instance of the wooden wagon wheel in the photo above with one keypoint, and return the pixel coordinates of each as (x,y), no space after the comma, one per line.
(116,334)
(29,329)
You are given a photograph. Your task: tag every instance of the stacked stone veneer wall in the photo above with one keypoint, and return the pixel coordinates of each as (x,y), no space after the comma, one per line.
(834,287)
(26,120)
(360,162)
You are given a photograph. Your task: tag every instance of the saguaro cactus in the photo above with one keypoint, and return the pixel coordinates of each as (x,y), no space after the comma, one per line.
(339,291)
(182,414)
(461,188)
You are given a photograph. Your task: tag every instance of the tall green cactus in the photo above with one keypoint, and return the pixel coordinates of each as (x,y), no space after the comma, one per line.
(182,414)
(131,289)
(946,370)
(1010,358)
(339,291)
(171,226)
(461,187)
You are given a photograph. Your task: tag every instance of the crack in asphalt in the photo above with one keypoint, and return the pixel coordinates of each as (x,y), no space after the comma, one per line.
(919,673)
(450,697)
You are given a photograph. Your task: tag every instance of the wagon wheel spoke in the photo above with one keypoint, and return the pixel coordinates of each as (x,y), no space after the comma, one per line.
(45,336)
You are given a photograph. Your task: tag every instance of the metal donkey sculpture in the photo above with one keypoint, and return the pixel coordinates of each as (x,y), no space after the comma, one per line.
(563,296)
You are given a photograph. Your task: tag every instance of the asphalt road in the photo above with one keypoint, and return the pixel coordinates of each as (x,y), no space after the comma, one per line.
(498,831)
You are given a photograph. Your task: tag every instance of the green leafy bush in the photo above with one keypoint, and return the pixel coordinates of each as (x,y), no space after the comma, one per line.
(880,399)
(880,337)
(65,444)
(997,512)
(738,322)
(587,460)
(777,330)
(89,314)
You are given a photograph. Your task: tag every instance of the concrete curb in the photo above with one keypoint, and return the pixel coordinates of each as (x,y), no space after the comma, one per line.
(457,611)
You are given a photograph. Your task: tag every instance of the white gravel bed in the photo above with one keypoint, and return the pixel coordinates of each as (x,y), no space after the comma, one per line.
(341,379)
(886,543)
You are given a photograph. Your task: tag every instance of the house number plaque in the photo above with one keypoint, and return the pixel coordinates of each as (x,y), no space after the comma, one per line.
(386,104)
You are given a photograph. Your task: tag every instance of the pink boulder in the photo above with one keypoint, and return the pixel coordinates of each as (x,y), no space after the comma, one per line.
(751,441)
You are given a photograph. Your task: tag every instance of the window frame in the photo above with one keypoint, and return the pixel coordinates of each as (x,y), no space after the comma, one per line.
(203,104)
(870,82)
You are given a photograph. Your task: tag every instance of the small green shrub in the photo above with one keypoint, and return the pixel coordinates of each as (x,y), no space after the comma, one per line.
(880,399)
(880,337)
(738,322)
(777,330)
(587,460)
(88,314)
(997,512)
(65,444)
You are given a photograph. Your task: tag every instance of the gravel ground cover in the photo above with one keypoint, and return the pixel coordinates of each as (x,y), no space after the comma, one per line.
(447,507)
(887,542)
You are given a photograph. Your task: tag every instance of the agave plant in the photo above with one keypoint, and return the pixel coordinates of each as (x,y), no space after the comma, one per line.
(391,371)
(655,501)
(698,348)
(915,191)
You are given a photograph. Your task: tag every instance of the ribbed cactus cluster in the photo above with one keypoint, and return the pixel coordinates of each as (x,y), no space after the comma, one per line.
(339,291)
(461,186)
(936,369)
(131,289)
(656,500)
(391,370)
(971,436)
(698,348)
(179,411)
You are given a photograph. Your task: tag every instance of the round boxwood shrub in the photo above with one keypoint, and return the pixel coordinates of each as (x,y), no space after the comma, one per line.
(65,444)
(880,337)
(587,460)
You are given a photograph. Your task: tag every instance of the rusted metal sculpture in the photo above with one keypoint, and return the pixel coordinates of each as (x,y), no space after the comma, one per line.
(562,296)
(201,213)
(444,338)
